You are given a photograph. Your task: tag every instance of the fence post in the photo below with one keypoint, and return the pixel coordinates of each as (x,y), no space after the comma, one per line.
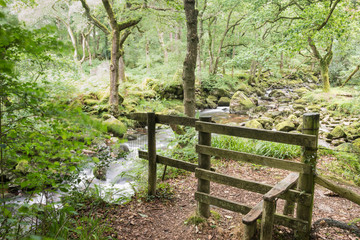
(151,153)
(204,163)
(306,182)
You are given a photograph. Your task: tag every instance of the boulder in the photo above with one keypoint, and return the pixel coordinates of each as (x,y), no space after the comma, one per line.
(301,91)
(247,89)
(299,107)
(100,173)
(23,166)
(276,93)
(240,103)
(211,101)
(224,101)
(260,109)
(356,145)
(212,98)
(116,127)
(346,147)
(337,132)
(253,124)
(314,108)
(285,126)
(200,103)
(266,122)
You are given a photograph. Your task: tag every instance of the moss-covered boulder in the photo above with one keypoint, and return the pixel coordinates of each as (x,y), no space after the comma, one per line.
(285,126)
(276,93)
(224,101)
(337,132)
(91,102)
(356,145)
(116,127)
(211,100)
(260,109)
(352,132)
(284,100)
(200,103)
(100,172)
(314,108)
(299,107)
(23,167)
(247,89)
(266,122)
(301,101)
(253,124)
(346,147)
(301,91)
(240,103)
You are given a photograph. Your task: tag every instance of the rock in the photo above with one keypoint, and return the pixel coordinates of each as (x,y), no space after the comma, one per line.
(301,91)
(105,95)
(356,144)
(338,141)
(253,124)
(219,92)
(337,132)
(292,118)
(267,123)
(276,93)
(301,101)
(240,103)
(130,137)
(124,148)
(116,127)
(210,103)
(314,108)
(100,172)
(285,126)
(346,147)
(300,127)
(224,101)
(259,92)
(352,132)
(91,102)
(299,107)
(200,103)
(212,98)
(23,166)
(107,116)
(260,109)
(284,100)
(247,89)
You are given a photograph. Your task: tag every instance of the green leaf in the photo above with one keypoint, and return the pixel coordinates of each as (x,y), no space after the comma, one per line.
(2,3)
(6,212)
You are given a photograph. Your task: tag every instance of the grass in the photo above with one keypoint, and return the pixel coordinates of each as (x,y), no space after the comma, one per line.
(269,149)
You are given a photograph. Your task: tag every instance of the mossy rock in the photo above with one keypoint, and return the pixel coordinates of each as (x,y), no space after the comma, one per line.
(266,122)
(211,104)
(200,103)
(240,103)
(314,108)
(356,145)
(338,132)
(212,98)
(247,89)
(301,91)
(100,173)
(91,102)
(23,166)
(224,101)
(254,124)
(285,126)
(116,127)
(346,147)
(284,100)
(259,92)
(299,107)
(300,101)
(352,132)
(300,127)
(276,93)
(260,109)
(104,97)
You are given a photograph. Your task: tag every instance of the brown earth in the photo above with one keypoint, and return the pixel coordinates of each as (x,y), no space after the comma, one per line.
(165,219)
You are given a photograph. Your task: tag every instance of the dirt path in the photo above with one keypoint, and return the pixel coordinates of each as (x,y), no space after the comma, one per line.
(165,219)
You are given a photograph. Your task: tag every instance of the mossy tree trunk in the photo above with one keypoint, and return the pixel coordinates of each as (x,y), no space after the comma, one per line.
(324,63)
(190,59)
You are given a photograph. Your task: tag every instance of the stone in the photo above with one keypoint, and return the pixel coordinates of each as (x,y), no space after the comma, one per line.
(211,104)
(299,107)
(23,166)
(260,109)
(212,98)
(285,126)
(338,132)
(116,127)
(346,147)
(240,103)
(356,144)
(267,123)
(253,124)
(300,101)
(247,89)
(224,101)
(100,172)
(200,103)
(124,148)
(301,91)
(314,108)
(284,100)
(276,93)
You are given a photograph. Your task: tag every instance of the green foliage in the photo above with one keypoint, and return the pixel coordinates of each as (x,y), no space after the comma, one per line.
(269,149)
(183,146)
(195,220)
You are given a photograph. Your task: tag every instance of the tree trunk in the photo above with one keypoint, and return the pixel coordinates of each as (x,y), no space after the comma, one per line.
(122,76)
(281,62)
(163,46)
(252,76)
(147,54)
(89,51)
(324,69)
(190,59)
(114,73)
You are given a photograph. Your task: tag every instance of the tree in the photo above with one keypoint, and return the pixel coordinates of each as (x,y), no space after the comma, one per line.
(191,55)
(119,32)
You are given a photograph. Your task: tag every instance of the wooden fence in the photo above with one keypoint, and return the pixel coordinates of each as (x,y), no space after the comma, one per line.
(302,177)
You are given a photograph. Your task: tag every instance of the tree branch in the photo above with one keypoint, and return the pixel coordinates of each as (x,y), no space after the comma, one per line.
(314,49)
(110,14)
(92,19)
(329,15)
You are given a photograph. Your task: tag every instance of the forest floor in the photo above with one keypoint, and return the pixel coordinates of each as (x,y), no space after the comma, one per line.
(166,219)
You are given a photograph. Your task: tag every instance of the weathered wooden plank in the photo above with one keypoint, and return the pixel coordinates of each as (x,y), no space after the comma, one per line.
(252,186)
(306,182)
(151,154)
(171,162)
(222,203)
(290,222)
(282,186)
(204,162)
(267,219)
(249,231)
(343,192)
(260,134)
(254,214)
(176,120)
(141,117)
(255,159)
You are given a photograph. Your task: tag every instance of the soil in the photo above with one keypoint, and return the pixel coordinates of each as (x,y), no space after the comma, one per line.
(166,217)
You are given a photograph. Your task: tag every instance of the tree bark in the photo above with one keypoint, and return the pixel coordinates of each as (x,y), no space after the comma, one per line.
(324,69)
(190,59)
(114,72)
(351,75)
(122,76)
(163,46)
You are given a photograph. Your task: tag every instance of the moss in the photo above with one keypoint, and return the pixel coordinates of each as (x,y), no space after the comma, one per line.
(338,132)
(254,124)
(116,127)
(91,102)
(23,166)
(195,220)
(285,126)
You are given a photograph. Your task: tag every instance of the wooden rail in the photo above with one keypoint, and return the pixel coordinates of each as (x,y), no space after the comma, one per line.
(259,134)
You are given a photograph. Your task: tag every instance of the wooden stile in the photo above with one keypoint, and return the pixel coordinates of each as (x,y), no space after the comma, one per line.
(176,120)
(260,134)
(151,154)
